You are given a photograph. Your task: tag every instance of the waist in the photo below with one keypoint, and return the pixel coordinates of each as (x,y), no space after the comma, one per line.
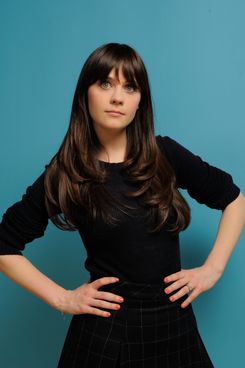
(138,291)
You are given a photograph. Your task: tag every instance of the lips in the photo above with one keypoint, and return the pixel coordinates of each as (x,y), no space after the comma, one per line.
(115,112)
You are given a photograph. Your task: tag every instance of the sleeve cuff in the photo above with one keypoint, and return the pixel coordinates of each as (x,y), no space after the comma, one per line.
(230,196)
(8,249)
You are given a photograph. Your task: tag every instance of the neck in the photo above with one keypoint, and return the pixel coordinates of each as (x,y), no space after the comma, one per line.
(114,146)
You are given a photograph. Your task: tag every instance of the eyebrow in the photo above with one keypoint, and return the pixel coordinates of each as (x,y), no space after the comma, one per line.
(113,79)
(126,81)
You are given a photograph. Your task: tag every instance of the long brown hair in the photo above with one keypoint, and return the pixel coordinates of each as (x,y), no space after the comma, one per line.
(74,178)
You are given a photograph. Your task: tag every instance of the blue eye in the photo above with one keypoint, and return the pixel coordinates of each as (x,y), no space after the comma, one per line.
(130,88)
(104,83)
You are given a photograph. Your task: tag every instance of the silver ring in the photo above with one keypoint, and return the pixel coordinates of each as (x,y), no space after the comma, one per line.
(189,289)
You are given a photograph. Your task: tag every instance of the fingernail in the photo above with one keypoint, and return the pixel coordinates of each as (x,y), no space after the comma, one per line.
(167,291)
(171,298)
(166,279)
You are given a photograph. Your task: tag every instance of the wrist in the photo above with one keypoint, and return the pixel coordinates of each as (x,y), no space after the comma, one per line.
(60,301)
(214,267)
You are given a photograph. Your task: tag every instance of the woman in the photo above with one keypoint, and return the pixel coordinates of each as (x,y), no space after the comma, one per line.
(117,183)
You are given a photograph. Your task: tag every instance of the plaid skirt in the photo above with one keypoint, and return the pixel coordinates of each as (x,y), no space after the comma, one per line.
(148,331)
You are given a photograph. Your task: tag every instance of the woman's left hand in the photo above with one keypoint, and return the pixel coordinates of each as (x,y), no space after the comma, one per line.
(191,282)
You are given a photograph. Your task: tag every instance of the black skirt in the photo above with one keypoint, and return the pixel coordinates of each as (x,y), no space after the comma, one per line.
(148,331)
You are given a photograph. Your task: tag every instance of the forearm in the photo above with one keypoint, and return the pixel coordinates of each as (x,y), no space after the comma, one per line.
(230,228)
(20,270)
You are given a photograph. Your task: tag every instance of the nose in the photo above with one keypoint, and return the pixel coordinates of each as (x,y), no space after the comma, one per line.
(117,96)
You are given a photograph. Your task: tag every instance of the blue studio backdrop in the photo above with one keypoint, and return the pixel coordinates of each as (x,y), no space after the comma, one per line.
(194,53)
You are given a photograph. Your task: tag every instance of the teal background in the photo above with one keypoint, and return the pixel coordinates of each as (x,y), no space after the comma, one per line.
(195,56)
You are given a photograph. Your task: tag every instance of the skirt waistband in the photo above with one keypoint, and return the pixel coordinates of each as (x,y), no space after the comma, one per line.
(136,290)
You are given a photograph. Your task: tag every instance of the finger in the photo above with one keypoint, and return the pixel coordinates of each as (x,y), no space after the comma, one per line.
(176,285)
(190,298)
(183,291)
(103,281)
(98,312)
(105,304)
(109,296)
(174,276)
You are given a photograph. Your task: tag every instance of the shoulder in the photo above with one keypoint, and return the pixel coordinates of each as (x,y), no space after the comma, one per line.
(168,143)
(165,143)
(163,140)
(173,150)
(204,182)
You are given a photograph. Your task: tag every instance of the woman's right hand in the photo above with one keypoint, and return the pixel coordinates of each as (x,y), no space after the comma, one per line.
(87,297)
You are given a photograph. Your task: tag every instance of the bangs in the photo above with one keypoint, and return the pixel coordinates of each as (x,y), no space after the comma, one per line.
(121,58)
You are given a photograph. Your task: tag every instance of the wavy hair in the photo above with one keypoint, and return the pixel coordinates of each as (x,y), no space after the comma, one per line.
(74,177)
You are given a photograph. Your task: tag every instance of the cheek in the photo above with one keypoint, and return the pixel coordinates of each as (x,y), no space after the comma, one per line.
(134,106)
(93,102)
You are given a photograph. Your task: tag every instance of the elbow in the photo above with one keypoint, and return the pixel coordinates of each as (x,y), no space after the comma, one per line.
(5,259)
(237,205)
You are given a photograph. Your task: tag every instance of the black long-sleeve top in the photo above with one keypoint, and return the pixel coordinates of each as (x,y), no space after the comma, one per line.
(128,250)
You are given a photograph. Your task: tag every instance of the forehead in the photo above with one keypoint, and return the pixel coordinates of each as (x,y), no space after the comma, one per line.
(117,74)
(122,75)
(123,68)
(123,71)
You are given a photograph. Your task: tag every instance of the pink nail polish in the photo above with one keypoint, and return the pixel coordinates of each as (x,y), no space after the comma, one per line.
(167,291)
(166,279)
(171,298)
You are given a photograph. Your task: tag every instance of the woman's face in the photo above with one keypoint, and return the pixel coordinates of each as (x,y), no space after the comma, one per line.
(113,103)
